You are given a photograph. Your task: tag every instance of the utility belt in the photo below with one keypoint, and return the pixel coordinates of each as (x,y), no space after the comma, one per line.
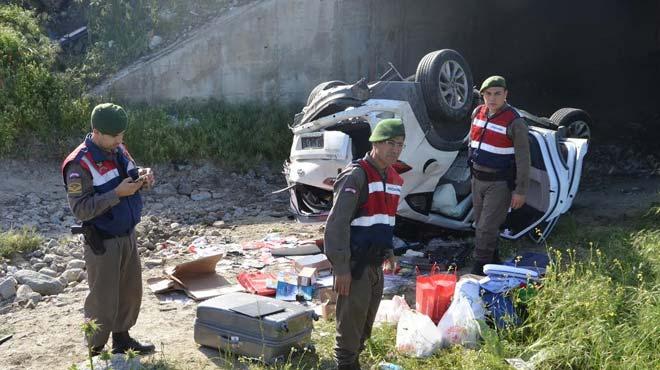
(94,237)
(508,175)
(363,257)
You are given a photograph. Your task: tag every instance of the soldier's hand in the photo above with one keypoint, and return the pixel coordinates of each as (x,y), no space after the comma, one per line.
(150,180)
(517,201)
(128,187)
(343,284)
(390,265)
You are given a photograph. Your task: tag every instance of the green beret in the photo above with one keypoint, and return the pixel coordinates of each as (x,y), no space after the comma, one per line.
(109,119)
(493,81)
(387,129)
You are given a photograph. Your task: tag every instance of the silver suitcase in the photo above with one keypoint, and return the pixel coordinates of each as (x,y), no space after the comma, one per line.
(253,326)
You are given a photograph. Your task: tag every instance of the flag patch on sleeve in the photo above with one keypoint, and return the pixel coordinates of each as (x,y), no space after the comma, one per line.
(350,190)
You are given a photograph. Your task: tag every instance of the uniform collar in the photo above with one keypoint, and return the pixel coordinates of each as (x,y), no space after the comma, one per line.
(98,154)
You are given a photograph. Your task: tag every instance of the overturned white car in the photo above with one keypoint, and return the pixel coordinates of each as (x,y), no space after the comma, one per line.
(435,106)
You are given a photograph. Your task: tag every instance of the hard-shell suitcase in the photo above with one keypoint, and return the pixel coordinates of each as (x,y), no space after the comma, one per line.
(253,326)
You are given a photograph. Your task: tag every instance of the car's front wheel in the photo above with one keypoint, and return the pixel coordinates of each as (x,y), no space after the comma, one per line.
(446,82)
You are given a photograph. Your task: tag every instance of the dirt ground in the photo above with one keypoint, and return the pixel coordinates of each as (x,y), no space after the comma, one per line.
(48,336)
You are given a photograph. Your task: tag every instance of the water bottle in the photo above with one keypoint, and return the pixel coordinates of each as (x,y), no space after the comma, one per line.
(389,366)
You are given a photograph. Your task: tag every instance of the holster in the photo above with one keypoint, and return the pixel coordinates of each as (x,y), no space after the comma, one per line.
(92,237)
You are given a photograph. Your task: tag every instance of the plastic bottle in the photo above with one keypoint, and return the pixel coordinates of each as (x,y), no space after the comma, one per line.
(389,366)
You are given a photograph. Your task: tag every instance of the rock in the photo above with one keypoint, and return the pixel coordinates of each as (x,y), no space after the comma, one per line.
(32,300)
(23,293)
(40,283)
(75,264)
(185,188)
(38,266)
(155,42)
(8,288)
(149,245)
(165,189)
(71,275)
(153,262)
(48,258)
(38,253)
(200,195)
(174,225)
(220,224)
(34,260)
(47,271)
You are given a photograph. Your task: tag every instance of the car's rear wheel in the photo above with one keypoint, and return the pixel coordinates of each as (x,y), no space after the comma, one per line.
(572,123)
(323,86)
(446,82)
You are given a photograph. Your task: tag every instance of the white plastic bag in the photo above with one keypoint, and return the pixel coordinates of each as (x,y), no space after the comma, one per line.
(416,335)
(458,325)
(468,289)
(390,310)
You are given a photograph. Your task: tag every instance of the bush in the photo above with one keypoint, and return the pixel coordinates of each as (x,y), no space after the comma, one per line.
(34,100)
(18,241)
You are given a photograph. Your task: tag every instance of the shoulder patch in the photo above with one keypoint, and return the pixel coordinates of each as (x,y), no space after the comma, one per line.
(350,190)
(74,186)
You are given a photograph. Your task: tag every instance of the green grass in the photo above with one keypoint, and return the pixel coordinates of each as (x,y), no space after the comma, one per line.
(19,241)
(598,309)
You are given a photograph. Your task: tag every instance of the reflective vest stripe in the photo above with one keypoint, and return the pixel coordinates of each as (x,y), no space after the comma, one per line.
(492,148)
(373,220)
(97,178)
(377,186)
(491,126)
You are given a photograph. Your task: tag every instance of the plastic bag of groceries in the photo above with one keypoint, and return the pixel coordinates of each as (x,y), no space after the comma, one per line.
(389,311)
(458,325)
(416,335)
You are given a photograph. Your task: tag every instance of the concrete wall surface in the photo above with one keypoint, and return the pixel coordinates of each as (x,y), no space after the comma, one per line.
(602,56)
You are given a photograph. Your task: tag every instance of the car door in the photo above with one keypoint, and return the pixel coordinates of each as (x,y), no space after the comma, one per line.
(548,192)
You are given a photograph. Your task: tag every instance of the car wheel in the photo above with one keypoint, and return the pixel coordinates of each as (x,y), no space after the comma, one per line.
(572,123)
(446,82)
(323,86)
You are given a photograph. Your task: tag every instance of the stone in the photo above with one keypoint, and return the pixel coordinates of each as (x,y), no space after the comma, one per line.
(8,288)
(155,42)
(49,257)
(200,195)
(71,275)
(38,266)
(47,271)
(153,262)
(40,283)
(23,293)
(185,188)
(75,264)
(165,189)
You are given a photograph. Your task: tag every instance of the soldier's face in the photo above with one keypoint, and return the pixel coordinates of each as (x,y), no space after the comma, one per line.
(108,142)
(387,152)
(495,97)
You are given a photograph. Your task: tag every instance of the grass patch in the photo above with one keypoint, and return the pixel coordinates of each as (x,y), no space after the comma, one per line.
(19,241)
(240,135)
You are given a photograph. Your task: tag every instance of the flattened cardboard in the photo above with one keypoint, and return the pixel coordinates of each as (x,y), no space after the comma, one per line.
(197,279)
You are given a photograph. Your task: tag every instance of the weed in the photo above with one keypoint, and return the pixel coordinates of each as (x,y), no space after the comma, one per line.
(19,241)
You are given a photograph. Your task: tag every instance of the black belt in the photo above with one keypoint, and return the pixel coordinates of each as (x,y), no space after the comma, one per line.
(106,236)
(504,175)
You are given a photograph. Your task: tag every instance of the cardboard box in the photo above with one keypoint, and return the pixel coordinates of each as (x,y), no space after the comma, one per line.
(197,279)
(307,276)
(318,261)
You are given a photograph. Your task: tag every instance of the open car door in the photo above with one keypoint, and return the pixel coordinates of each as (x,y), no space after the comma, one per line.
(556,166)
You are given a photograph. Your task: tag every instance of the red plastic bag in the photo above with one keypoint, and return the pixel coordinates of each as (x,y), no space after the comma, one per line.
(433,293)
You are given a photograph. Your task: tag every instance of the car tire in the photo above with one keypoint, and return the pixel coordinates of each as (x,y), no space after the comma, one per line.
(572,123)
(323,86)
(446,82)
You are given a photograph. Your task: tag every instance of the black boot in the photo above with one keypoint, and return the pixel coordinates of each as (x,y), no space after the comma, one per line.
(97,350)
(122,342)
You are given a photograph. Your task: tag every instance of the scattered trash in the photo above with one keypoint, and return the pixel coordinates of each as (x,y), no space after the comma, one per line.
(397,284)
(198,279)
(6,338)
(257,283)
(389,366)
